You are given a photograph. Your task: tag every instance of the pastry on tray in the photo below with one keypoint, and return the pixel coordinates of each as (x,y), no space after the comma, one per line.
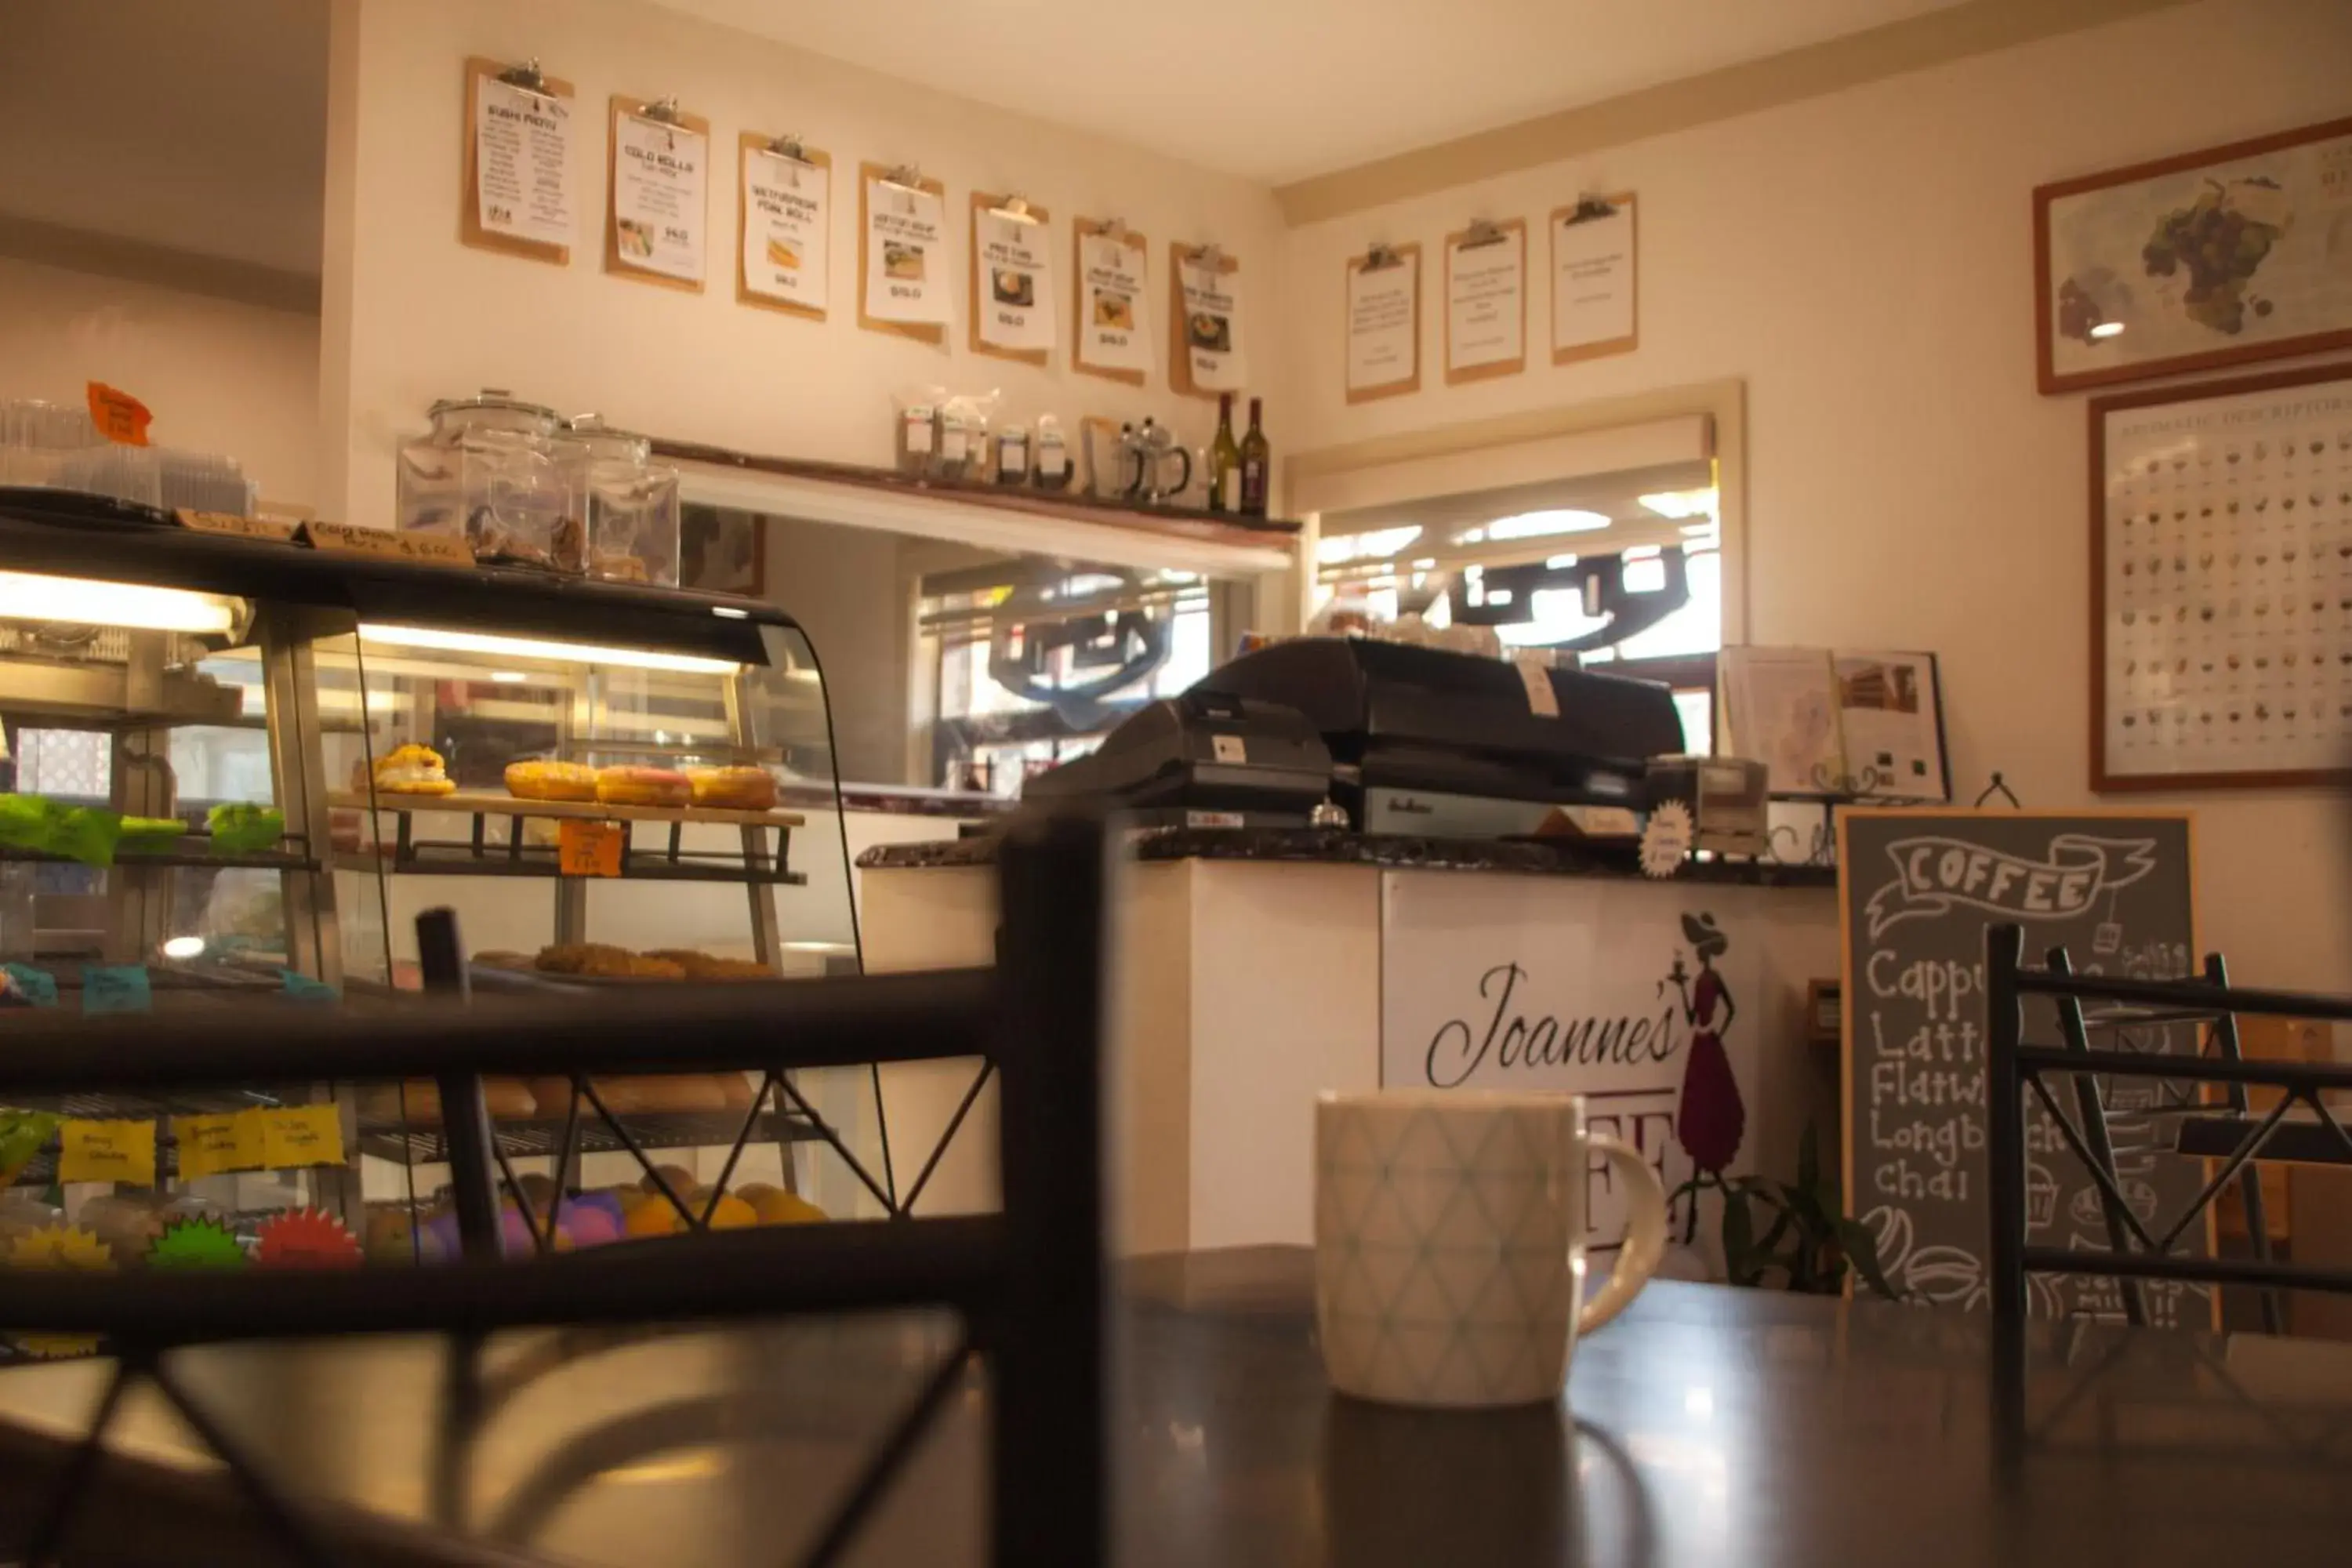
(700,965)
(603,961)
(734,789)
(417,1102)
(550,780)
(412,769)
(643,786)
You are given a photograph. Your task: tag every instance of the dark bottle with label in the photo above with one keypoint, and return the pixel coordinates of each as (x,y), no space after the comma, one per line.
(1258,463)
(1225,460)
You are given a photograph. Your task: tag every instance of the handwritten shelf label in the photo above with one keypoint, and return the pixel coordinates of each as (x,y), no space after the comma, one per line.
(229,525)
(382,544)
(107,1151)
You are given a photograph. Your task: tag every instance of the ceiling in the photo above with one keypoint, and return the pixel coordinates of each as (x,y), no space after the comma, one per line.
(1282,90)
(194,127)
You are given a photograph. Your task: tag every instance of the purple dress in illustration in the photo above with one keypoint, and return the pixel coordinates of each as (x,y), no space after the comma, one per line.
(1711,1119)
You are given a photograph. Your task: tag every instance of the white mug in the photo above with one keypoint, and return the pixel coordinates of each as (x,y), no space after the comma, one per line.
(1449,1242)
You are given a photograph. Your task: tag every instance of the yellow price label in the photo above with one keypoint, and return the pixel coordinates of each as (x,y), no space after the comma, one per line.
(210,1145)
(585,848)
(107,1151)
(300,1135)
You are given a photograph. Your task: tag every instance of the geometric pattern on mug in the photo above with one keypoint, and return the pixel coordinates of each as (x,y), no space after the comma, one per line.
(1449,1265)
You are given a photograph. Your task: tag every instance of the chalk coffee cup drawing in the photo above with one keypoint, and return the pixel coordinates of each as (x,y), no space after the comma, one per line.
(1449,1242)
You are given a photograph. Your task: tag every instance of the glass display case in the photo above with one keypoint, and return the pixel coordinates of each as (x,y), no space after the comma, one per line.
(238,766)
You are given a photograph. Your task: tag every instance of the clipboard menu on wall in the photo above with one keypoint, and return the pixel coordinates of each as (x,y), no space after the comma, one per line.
(516,183)
(1204,347)
(1917,890)
(784,227)
(902,253)
(657,193)
(1012,289)
(1487,302)
(1383,353)
(1595,278)
(1111,334)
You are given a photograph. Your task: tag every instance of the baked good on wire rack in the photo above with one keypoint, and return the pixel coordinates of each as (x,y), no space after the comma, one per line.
(735,789)
(545,779)
(412,769)
(643,786)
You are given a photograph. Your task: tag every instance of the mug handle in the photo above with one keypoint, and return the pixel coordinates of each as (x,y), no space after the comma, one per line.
(1645,1236)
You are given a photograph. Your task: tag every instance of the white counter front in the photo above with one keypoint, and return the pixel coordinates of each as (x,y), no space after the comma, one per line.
(1242,987)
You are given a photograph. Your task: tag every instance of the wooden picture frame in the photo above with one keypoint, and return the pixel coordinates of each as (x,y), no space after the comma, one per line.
(1632,341)
(470,231)
(983,204)
(751,144)
(2166,542)
(1180,345)
(1397,256)
(1516,228)
(622,106)
(931,332)
(1082,230)
(2117,277)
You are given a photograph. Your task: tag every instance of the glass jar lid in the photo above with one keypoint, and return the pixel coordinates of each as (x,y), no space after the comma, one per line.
(604,441)
(496,407)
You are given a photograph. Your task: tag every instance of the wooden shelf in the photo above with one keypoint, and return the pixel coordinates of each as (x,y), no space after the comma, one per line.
(468,804)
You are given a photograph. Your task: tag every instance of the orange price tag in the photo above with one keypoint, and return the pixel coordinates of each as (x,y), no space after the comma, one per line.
(585,848)
(119,417)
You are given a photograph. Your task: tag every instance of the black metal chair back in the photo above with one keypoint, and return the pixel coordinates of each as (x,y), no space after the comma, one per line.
(2138,1249)
(1028,1282)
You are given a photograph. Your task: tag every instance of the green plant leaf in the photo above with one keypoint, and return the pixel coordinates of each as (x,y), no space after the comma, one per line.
(1809,1161)
(1861,1251)
(1782,1219)
(1738,1238)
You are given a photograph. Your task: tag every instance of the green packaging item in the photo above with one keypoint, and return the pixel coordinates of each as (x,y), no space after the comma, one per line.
(78,833)
(147,835)
(238,827)
(302,988)
(39,986)
(22,1133)
(116,988)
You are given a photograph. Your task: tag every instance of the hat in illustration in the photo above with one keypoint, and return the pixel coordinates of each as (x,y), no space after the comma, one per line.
(1702,934)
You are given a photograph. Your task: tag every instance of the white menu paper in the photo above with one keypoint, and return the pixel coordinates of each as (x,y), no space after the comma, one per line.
(1113,329)
(1592,263)
(1485,301)
(1383,347)
(1213,328)
(1015,282)
(659,209)
(522,161)
(905,255)
(786,229)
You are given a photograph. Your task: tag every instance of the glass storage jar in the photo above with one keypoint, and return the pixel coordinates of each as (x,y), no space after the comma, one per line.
(633,510)
(497,472)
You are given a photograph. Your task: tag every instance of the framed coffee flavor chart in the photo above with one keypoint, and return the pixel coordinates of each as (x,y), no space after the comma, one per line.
(2222,583)
(1109,336)
(784,226)
(515,192)
(657,193)
(2216,258)
(902,279)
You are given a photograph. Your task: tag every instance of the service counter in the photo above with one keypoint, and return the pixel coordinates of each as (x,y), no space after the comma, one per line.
(1255,968)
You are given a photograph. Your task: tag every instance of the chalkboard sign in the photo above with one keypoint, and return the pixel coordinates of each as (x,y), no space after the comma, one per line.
(1915,890)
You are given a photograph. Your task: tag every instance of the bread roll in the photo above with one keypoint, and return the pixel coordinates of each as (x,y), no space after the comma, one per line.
(549,780)
(733,789)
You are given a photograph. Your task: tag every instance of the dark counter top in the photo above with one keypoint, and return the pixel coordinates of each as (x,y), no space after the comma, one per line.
(1707,1425)
(1329,847)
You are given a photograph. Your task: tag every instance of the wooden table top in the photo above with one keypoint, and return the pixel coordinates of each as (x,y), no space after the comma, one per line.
(1707,1425)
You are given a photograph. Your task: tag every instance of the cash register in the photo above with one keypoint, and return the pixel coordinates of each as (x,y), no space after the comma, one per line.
(1200,760)
(1408,740)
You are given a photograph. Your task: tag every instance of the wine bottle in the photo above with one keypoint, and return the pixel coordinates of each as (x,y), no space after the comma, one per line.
(1258,463)
(1225,460)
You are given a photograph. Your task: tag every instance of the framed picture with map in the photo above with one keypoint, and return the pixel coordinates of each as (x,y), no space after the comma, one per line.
(2218,257)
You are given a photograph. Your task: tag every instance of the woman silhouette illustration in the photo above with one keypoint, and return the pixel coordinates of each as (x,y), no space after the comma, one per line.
(1711,1119)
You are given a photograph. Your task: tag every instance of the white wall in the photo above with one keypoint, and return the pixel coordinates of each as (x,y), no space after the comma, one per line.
(1864,261)
(420,316)
(220,376)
